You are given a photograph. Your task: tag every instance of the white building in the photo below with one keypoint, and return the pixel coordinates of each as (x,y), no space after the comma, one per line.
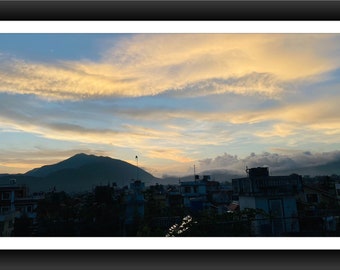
(275,196)
(14,203)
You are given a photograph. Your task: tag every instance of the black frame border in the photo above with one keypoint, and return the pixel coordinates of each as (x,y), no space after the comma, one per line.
(169,10)
(169,259)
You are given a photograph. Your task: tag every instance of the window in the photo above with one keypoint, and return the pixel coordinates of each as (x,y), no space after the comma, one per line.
(10,224)
(6,195)
(276,207)
(276,211)
(312,198)
(4,210)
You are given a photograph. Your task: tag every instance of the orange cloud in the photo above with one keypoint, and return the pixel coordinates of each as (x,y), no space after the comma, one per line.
(170,154)
(245,64)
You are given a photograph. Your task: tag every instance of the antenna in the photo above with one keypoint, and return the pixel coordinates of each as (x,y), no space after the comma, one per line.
(137,168)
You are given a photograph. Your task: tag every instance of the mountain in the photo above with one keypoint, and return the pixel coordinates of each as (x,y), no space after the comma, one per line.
(215,175)
(80,173)
(329,169)
(71,163)
(316,170)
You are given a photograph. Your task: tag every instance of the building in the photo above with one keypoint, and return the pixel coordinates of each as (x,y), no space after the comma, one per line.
(318,205)
(198,195)
(337,188)
(16,202)
(274,196)
(134,200)
(174,199)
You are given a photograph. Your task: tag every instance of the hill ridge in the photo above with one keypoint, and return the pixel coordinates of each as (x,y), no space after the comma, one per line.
(82,172)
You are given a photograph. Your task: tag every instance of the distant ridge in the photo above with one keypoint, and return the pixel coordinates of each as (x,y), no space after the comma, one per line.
(316,170)
(73,162)
(222,175)
(80,173)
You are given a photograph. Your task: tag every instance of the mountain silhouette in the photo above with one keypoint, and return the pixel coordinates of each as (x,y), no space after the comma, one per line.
(315,170)
(71,163)
(80,173)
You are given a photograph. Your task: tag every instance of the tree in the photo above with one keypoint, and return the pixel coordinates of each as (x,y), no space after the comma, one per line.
(23,226)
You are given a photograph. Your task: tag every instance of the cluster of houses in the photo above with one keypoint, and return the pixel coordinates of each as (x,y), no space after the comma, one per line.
(289,205)
(16,202)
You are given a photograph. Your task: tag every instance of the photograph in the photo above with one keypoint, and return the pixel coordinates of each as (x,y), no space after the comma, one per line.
(169,134)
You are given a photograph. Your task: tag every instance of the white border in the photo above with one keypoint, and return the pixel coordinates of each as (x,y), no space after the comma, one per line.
(169,26)
(128,243)
(169,243)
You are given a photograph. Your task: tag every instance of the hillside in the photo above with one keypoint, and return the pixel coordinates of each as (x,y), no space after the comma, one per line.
(80,173)
(225,175)
(319,170)
(71,163)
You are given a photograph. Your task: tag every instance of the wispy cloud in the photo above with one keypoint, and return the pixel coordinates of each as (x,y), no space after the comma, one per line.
(319,115)
(198,64)
(178,99)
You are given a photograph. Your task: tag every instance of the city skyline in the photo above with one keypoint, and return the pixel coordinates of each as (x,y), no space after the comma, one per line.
(174,100)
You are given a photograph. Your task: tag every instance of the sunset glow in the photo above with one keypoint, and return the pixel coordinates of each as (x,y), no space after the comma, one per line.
(174,100)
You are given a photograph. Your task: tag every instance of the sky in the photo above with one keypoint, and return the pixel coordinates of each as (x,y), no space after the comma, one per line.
(213,101)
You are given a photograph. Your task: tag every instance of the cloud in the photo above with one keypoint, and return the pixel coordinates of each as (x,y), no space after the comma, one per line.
(169,154)
(177,98)
(185,134)
(318,115)
(284,160)
(219,162)
(58,81)
(278,130)
(262,83)
(61,123)
(119,126)
(199,64)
